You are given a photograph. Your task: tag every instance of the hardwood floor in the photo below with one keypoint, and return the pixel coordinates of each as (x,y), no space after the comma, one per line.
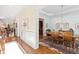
(43,49)
(10,39)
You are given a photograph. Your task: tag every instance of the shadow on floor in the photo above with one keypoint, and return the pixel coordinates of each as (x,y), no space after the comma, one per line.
(65,50)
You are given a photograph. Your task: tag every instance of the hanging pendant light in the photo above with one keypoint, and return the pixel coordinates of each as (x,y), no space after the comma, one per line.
(61,17)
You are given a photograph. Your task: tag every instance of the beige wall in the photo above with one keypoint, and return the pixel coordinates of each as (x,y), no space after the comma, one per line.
(29,33)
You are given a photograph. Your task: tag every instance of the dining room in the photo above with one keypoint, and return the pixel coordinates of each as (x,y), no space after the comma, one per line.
(61,27)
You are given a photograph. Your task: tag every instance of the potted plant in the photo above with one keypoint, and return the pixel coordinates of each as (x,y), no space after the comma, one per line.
(47,32)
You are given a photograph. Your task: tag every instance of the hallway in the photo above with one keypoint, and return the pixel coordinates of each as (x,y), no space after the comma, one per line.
(15,21)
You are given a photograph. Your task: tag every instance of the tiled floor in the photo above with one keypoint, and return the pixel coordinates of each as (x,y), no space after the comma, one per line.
(12,48)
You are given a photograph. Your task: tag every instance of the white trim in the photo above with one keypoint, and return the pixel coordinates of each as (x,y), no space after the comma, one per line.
(21,48)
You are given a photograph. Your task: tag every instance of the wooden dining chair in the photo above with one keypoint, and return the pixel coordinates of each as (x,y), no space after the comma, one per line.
(54,36)
(68,39)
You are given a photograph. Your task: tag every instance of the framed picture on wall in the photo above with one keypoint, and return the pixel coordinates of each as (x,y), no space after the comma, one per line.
(25,24)
(57,25)
(77,26)
(66,25)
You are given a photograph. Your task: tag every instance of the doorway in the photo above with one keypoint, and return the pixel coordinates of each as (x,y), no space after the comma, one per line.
(40,28)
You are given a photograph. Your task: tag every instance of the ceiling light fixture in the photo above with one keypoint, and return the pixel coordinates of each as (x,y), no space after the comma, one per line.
(62,12)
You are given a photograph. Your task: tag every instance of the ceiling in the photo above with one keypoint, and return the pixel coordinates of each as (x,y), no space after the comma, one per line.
(9,12)
(53,10)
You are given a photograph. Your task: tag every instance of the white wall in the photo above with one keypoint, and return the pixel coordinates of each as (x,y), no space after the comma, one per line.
(72,19)
(29,34)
